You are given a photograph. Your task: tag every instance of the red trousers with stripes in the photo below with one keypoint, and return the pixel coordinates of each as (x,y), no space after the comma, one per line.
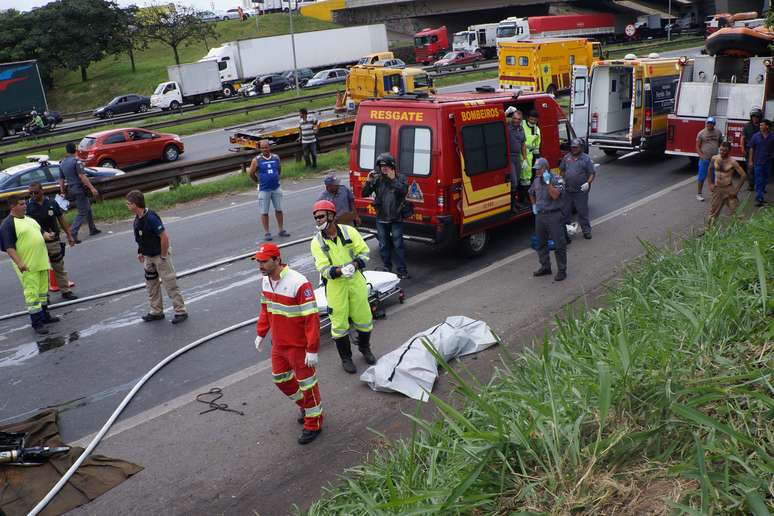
(298,382)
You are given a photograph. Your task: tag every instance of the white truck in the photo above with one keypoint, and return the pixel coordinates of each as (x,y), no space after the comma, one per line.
(192,83)
(477,38)
(243,60)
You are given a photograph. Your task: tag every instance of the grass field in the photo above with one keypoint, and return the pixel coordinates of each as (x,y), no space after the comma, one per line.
(113,76)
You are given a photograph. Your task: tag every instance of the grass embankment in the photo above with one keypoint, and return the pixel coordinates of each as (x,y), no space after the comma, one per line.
(113,76)
(662,402)
(115,209)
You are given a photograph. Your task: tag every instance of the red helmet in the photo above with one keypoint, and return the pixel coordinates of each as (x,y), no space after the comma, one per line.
(324,206)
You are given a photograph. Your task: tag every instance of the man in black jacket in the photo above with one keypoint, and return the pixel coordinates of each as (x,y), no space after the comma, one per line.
(390,190)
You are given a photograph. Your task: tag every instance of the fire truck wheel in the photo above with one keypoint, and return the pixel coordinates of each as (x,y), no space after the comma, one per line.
(475,244)
(610,152)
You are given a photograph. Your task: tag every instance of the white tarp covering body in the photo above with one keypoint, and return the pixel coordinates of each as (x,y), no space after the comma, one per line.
(411,369)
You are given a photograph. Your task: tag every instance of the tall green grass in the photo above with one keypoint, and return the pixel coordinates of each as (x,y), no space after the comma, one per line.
(660,402)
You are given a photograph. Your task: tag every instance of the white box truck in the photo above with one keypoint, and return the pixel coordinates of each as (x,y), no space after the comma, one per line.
(243,60)
(192,83)
(478,38)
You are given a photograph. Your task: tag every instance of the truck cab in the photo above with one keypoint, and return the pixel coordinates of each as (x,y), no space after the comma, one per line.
(724,87)
(367,81)
(622,104)
(430,44)
(167,94)
(454,151)
(512,29)
(477,38)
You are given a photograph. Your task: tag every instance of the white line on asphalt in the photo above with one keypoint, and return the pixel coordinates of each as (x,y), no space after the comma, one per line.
(227,381)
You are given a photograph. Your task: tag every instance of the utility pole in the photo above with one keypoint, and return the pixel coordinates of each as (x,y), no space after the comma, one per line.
(293,45)
(669,31)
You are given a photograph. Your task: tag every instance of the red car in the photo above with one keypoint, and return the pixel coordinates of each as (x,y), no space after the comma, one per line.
(128,146)
(459,59)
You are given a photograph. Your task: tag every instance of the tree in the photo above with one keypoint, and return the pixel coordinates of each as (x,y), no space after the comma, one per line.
(174,25)
(129,35)
(22,39)
(76,33)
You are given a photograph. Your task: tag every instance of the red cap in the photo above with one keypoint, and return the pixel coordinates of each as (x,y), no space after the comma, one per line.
(267,251)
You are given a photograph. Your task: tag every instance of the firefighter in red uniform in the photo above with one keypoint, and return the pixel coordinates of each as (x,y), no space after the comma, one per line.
(289,309)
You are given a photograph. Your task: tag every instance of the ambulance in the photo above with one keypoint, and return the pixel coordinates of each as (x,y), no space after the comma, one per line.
(623,104)
(542,65)
(453,149)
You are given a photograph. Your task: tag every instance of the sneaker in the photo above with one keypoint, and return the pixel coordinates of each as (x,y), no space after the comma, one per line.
(50,319)
(178,318)
(699,198)
(404,275)
(267,237)
(69,296)
(348,365)
(369,356)
(758,204)
(152,317)
(284,233)
(307,436)
(301,417)
(95,232)
(541,272)
(78,241)
(560,276)
(40,330)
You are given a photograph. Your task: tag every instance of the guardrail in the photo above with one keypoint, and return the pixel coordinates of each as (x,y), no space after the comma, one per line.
(182,172)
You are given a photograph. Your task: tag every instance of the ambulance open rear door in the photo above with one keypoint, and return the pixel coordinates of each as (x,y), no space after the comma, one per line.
(579,101)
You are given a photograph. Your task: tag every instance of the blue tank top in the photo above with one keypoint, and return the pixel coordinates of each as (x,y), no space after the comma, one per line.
(268,172)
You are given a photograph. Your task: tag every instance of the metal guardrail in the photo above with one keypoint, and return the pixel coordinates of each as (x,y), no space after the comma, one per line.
(182,172)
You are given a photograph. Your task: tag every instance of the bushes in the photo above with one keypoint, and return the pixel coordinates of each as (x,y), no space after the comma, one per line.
(662,401)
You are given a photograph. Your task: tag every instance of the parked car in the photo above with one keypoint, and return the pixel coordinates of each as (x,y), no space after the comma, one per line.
(391,63)
(328,77)
(459,59)
(46,172)
(276,82)
(211,16)
(128,146)
(304,74)
(233,14)
(123,104)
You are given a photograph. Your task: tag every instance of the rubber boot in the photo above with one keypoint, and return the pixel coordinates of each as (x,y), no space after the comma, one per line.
(47,317)
(37,323)
(364,345)
(345,352)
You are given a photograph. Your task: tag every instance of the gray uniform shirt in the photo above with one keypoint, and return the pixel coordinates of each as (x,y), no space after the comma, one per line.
(71,167)
(344,200)
(543,200)
(576,171)
(516,137)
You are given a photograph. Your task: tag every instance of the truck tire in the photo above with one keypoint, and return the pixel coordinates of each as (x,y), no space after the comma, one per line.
(107,163)
(475,244)
(206,100)
(174,105)
(171,153)
(228,91)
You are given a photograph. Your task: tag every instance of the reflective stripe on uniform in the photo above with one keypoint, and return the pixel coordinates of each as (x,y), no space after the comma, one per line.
(297,396)
(282,377)
(307,383)
(315,411)
(335,333)
(364,327)
(291,311)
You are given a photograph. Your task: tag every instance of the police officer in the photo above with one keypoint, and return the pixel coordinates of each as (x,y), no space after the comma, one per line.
(73,184)
(546,194)
(749,130)
(340,255)
(518,153)
(578,172)
(50,218)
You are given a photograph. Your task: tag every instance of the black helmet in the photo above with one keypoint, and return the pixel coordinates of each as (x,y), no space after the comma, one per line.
(385,158)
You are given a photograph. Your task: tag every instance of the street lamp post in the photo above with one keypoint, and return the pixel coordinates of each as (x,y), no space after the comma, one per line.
(669,30)
(293,46)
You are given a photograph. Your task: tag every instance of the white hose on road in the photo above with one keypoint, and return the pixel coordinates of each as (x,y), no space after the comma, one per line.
(97,438)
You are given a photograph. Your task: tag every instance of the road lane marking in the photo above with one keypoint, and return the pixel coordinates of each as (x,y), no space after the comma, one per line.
(180,401)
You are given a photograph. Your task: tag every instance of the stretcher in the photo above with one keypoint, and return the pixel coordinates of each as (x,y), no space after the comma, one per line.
(382,286)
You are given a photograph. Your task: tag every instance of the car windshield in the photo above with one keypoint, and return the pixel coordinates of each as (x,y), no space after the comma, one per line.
(87,143)
(450,55)
(114,101)
(321,75)
(506,31)
(421,41)
(159,89)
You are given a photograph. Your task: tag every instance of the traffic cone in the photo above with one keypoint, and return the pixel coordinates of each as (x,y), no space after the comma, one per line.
(52,286)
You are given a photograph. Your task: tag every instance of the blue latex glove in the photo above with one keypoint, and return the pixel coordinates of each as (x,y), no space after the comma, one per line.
(547,177)
(534,209)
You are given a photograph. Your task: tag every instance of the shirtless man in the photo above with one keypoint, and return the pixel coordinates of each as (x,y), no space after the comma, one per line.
(722,183)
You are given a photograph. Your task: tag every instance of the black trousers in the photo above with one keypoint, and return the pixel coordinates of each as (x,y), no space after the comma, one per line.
(550,225)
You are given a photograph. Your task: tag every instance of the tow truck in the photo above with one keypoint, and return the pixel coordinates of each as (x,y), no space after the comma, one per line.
(363,82)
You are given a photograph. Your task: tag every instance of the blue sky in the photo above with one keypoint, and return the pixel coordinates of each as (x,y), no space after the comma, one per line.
(221,5)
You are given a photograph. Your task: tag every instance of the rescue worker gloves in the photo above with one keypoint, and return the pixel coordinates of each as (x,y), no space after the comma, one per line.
(348,270)
(585,187)
(258,342)
(311,359)
(547,177)
(534,209)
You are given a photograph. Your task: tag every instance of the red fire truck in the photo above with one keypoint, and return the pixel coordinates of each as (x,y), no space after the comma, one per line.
(430,44)
(453,149)
(724,87)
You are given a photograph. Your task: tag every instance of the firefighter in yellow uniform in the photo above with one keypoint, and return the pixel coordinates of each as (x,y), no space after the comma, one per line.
(340,255)
(532,142)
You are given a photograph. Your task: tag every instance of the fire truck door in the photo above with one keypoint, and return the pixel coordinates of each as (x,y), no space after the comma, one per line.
(484,160)
(579,100)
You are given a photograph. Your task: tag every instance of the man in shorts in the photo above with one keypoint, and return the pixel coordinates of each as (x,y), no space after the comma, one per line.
(707,143)
(721,183)
(265,170)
